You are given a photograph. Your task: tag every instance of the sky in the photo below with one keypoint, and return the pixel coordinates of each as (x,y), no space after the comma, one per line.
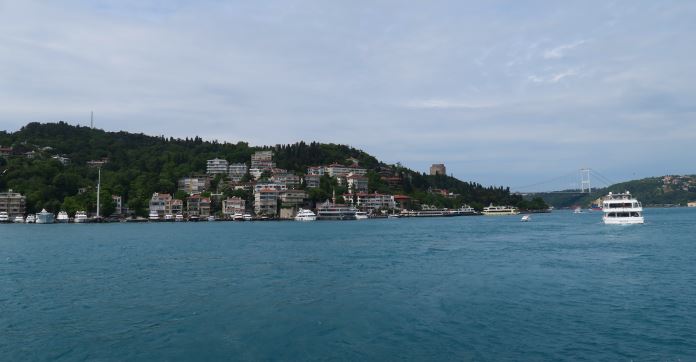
(503,92)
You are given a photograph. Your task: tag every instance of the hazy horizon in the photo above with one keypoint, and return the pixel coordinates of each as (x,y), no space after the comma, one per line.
(503,93)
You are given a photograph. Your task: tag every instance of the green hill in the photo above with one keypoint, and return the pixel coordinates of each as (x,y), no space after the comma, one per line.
(665,190)
(139,165)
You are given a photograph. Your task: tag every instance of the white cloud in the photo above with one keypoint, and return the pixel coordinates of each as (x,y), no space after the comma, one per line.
(561,50)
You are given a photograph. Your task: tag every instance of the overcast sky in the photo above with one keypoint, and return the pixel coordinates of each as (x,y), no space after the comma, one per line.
(502,92)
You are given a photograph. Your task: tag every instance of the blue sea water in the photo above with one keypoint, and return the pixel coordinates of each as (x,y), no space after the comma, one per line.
(562,287)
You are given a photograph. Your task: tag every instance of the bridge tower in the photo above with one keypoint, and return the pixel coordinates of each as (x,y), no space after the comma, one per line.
(585,180)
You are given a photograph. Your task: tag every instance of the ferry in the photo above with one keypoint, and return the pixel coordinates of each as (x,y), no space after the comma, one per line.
(81,217)
(4,217)
(153,216)
(19,219)
(45,217)
(31,218)
(500,210)
(62,217)
(305,215)
(329,211)
(622,209)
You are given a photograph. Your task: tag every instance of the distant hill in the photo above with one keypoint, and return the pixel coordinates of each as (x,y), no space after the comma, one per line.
(139,165)
(665,190)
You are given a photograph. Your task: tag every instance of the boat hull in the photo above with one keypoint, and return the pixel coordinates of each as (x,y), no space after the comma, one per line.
(623,220)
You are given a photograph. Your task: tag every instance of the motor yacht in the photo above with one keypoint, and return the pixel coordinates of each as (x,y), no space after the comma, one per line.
(305,215)
(622,209)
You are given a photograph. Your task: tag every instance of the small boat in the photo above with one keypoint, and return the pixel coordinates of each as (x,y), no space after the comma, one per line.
(393,216)
(31,218)
(19,219)
(500,210)
(81,217)
(305,215)
(578,210)
(622,209)
(62,217)
(153,216)
(179,218)
(526,218)
(168,217)
(361,215)
(45,217)
(4,217)
(247,217)
(211,218)
(238,217)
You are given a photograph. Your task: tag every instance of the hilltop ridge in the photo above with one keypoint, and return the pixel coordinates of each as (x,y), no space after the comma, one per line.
(50,164)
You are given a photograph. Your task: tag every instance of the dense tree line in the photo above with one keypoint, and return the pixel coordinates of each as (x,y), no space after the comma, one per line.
(139,165)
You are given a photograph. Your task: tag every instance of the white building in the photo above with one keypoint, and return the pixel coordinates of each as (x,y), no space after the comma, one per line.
(236,171)
(262,160)
(374,201)
(233,205)
(194,185)
(161,204)
(217,166)
(266,201)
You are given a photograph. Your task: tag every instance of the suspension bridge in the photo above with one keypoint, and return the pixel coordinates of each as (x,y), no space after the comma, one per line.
(577,182)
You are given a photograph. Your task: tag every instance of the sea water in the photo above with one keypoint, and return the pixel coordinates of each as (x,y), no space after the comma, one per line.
(563,286)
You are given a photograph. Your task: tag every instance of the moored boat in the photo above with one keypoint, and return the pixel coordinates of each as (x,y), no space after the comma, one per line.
(153,216)
(45,217)
(4,217)
(168,217)
(361,215)
(62,217)
(622,209)
(81,217)
(179,218)
(331,211)
(31,218)
(500,210)
(247,217)
(305,215)
(19,219)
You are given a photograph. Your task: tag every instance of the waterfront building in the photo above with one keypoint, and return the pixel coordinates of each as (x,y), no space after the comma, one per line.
(374,201)
(357,183)
(118,203)
(161,204)
(217,166)
(312,181)
(262,160)
(236,172)
(438,169)
(194,184)
(13,203)
(197,205)
(293,197)
(266,201)
(233,205)
(177,207)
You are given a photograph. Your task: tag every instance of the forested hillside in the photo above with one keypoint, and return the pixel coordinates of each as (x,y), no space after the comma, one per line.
(139,165)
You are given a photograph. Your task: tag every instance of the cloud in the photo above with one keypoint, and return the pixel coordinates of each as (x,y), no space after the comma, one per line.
(561,50)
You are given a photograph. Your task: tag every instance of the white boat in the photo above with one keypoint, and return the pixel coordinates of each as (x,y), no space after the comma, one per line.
(361,215)
(179,217)
(305,215)
(81,217)
(19,219)
(331,211)
(577,210)
(526,218)
(238,217)
(154,216)
(500,210)
(211,218)
(621,209)
(247,217)
(168,217)
(393,216)
(4,217)
(31,218)
(62,217)
(45,217)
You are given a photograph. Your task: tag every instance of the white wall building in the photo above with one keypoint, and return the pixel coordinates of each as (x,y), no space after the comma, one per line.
(217,166)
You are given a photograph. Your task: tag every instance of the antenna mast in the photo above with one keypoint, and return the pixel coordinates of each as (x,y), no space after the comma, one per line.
(91,119)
